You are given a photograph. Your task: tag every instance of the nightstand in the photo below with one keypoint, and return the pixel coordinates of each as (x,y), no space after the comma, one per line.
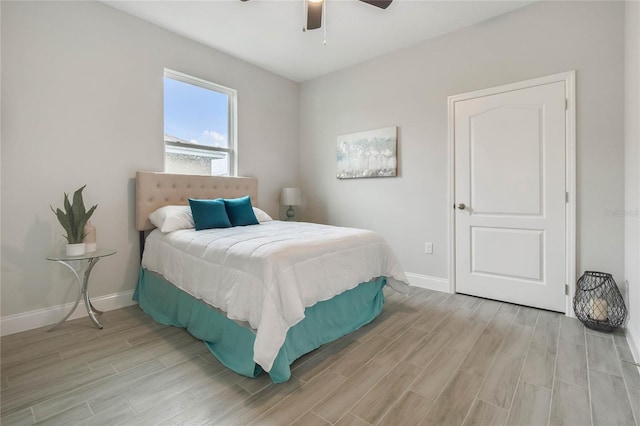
(76,264)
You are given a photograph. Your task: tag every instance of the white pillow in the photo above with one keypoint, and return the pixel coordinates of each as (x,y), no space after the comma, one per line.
(261,215)
(172,218)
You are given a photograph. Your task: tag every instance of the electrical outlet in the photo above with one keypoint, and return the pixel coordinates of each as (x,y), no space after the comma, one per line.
(428,248)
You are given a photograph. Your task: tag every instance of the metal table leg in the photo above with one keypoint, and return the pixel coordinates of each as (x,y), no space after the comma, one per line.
(91,310)
(83,291)
(75,305)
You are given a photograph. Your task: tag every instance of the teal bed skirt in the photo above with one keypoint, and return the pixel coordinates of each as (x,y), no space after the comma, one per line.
(232,343)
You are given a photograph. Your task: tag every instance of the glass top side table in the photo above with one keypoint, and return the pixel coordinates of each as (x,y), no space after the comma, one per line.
(75,263)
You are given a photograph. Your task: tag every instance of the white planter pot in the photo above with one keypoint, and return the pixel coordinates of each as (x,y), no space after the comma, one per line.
(75,249)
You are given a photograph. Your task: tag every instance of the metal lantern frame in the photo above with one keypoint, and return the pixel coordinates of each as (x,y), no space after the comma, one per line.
(598,302)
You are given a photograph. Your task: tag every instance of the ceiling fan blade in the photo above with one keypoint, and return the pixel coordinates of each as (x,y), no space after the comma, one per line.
(314,15)
(382,4)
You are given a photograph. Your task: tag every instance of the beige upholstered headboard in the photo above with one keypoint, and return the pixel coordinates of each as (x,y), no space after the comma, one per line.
(155,189)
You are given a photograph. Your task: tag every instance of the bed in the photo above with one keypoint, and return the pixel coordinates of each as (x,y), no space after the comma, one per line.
(258,296)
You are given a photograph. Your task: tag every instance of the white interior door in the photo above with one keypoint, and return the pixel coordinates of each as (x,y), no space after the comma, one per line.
(509,189)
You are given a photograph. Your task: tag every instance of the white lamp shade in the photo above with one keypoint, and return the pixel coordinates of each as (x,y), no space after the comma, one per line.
(291,197)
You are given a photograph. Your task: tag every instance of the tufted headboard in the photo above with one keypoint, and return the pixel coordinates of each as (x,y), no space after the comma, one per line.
(155,189)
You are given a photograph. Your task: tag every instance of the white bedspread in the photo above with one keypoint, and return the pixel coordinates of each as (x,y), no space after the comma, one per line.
(268,274)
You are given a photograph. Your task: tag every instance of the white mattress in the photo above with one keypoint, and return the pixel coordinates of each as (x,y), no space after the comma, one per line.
(268,274)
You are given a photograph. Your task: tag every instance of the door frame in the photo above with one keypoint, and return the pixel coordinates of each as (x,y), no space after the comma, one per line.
(569,78)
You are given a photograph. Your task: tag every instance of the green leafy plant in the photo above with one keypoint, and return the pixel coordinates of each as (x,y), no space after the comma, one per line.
(74,216)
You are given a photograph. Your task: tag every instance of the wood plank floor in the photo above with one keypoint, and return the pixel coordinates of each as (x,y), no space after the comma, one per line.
(430,358)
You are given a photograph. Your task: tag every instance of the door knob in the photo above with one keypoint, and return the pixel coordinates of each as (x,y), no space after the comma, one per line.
(461,206)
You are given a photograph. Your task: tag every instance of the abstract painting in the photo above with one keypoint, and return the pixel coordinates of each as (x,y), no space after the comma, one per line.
(368,154)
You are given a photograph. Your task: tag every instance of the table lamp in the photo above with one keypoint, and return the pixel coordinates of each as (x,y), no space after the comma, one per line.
(290,197)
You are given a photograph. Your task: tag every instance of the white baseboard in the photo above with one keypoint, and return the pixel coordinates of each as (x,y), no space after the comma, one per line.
(48,316)
(428,282)
(633,338)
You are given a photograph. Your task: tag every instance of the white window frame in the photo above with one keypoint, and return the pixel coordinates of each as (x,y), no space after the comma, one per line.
(232,125)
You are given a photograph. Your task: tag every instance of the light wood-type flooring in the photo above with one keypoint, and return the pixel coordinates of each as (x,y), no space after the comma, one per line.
(430,358)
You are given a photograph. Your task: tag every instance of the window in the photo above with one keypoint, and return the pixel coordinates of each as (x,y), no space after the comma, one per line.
(199,126)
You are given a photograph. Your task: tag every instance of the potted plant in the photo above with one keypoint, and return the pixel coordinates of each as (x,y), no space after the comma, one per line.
(73,219)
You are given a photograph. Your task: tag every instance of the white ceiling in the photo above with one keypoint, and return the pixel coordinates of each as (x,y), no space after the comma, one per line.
(268,33)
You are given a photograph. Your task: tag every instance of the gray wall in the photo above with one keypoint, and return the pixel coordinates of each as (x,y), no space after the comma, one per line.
(409,88)
(82,94)
(632,167)
(82,103)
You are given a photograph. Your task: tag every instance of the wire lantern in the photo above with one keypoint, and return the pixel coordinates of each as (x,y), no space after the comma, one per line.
(598,302)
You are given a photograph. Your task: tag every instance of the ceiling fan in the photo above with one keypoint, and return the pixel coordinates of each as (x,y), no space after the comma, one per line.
(314,11)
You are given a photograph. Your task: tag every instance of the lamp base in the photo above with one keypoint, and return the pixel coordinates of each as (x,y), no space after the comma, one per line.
(291,213)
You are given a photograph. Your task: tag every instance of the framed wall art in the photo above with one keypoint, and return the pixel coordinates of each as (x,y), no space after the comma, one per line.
(368,154)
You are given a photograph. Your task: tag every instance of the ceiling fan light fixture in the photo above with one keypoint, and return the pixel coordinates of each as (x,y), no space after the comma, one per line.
(314,14)
(315,11)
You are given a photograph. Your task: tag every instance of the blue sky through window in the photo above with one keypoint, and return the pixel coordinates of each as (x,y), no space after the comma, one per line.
(195,114)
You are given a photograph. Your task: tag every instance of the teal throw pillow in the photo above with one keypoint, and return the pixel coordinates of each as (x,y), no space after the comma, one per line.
(240,211)
(209,214)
